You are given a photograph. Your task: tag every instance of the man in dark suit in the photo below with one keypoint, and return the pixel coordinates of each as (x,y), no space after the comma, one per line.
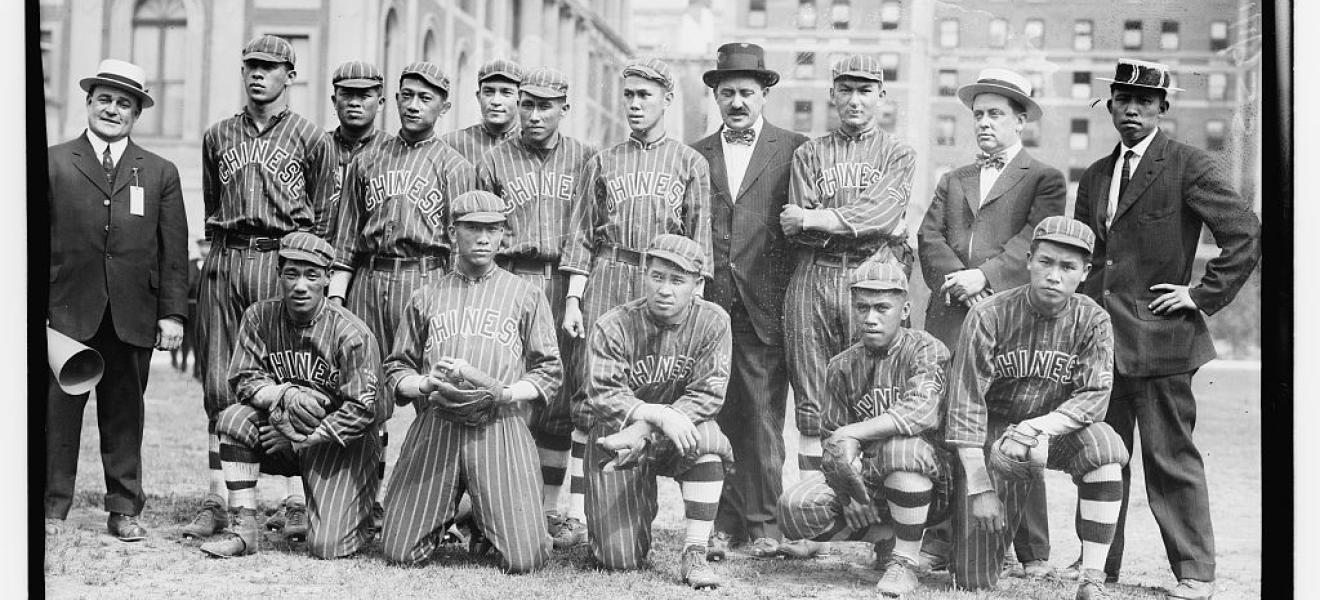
(974,242)
(749,170)
(119,248)
(1148,201)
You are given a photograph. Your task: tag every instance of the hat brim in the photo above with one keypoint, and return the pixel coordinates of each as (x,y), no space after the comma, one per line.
(969,92)
(867,75)
(481,217)
(268,57)
(713,77)
(308,257)
(542,92)
(444,87)
(876,285)
(360,83)
(514,77)
(683,262)
(1140,85)
(1066,240)
(87,83)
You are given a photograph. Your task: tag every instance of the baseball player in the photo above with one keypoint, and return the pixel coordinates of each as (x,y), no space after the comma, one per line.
(261,169)
(881,411)
(483,328)
(1029,388)
(497,94)
(629,193)
(657,368)
(358,98)
(847,206)
(304,372)
(536,174)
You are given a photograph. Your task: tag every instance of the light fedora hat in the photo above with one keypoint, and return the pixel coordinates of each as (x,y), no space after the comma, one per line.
(1142,73)
(123,75)
(1002,82)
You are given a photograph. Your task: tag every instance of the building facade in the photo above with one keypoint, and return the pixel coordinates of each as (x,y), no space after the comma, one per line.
(191,52)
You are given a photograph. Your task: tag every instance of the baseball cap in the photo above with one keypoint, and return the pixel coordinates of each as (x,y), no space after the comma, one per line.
(651,68)
(860,66)
(270,49)
(357,74)
(879,276)
(478,206)
(677,249)
(428,72)
(500,67)
(545,82)
(308,248)
(1065,230)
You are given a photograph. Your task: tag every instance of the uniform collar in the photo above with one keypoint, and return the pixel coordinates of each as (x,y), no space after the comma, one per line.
(511,132)
(555,142)
(353,145)
(887,350)
(320,311)
(483,277)
(687,314)
(874,131)
(274,119)
(648,146)
(418,144)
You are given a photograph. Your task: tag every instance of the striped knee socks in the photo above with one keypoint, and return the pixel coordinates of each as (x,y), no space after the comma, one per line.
(1099,497)
(701,486)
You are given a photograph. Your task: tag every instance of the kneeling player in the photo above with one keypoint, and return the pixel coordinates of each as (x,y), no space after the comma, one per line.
(1029,388)
(304,372)
(881,410)
(474,347)
(657,369)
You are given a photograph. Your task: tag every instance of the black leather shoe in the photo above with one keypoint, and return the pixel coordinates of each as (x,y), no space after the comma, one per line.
(125,527)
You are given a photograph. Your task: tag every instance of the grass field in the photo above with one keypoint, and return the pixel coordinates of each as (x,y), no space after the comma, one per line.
(87,563)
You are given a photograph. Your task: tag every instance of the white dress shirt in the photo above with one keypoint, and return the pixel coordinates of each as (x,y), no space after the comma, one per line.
(1140,150)
(989,175)
(737,157)
(116,149)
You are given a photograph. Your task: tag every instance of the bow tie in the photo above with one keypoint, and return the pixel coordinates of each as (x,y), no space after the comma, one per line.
(743,137)
(994,161)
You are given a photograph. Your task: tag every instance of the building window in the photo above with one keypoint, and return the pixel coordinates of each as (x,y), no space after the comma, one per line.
(1081,85)
(948,81)
(998,33)
(47,57)
(1037,80)
(944,129)
(1083,32)
(1035,33)
(430,50)
(1218,35)
(891,11)
(949,33)
(1169,127)
(889,64)
(806,65)
(802,115)
(1131,35)
(1080,138)
(1031,135)
(806,14)
(888,117)
(159,47)
(1168,35)
(840,14)
(756,13)
(1214,135)
(1217,86)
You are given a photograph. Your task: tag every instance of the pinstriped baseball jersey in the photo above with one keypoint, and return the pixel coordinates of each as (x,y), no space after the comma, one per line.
(500,324)
(865,180)
(905,380)
(335,354)
(634,191)
(262,182)
(395,201)
(475,141)
(538,187)
(1014,363)
(633,359)
(339,153)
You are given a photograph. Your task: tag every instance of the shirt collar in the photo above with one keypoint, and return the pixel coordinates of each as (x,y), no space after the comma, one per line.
(510,132)
(407,144)
(274,119)
(1141,146)
(116,148)
(648,146)
(756,128)
(352,145)
(469,279)
(887,350)
(687,314)
(320,310)
(1010,153)
(865,135)
(554,143)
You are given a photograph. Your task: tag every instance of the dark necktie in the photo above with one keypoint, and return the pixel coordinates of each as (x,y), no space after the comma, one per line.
(108,164)
(994,161)
(744,137)
(1122,188)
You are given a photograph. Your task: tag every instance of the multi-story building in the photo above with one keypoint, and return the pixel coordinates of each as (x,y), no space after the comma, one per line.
(191,49)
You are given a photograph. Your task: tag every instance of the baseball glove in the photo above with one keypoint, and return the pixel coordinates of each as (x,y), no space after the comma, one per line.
(305,408)
(279,419)
(1012,468)
(841,464)
(467,405)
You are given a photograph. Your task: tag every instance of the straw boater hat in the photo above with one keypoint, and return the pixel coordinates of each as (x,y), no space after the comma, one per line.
(121,75)
(1144,74)
(740,59)
(1002,82)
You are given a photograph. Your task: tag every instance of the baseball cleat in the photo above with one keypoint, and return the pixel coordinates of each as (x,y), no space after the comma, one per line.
(553,523)
(241,538)
(762,548)
(295,522)
(930,563)
(1037,569)
(801,549)
(125,527)
(1073,572)
(1091,586)
(208,521)
(1191,589)
(696,571)
(54,526)
(718,548)
(1012,568)
(900,577)
(573,533)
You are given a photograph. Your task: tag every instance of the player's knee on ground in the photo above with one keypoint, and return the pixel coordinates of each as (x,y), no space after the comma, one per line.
(1087,449)
(518,563)
(806,509)
(330,543)
(239,422)
(398,550)
(615,557)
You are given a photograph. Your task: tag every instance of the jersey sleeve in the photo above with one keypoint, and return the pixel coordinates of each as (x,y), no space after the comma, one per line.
(970,378)
(247,374)
(326,196)
(608,394)
(918,409)
(544,369)
(881,208)
(696,197)
(1093,375)
(581,243)
(485,174)
(318,177)
(834,407)
(348,225)
(408,356)
(357,357)
(210,178)
(703,397)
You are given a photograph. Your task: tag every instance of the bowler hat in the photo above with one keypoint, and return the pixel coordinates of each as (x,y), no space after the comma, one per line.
(740,59)
(120,75)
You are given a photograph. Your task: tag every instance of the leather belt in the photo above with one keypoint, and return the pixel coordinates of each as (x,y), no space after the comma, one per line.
(393,263)
(624,255)
(527,266)
(260,243)
(837,261)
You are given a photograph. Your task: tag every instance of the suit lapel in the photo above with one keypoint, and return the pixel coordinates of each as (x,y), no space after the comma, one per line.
(130,160)
(1099,195)
(971,183)
(1147,170)
(84,158)
(719,177)
(1012,174)
(765,149)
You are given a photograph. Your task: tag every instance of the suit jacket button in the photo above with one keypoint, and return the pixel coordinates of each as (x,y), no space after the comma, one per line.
(726,236)
(1107,292)
(106,203)
(107,228)
(1109,263)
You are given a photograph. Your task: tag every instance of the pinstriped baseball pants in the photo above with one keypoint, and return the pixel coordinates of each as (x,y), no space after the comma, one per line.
(610,284)
(554,419)
(378,298)
(496,464)
(340,482)
(817,326)
(977,557)
(232,280)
